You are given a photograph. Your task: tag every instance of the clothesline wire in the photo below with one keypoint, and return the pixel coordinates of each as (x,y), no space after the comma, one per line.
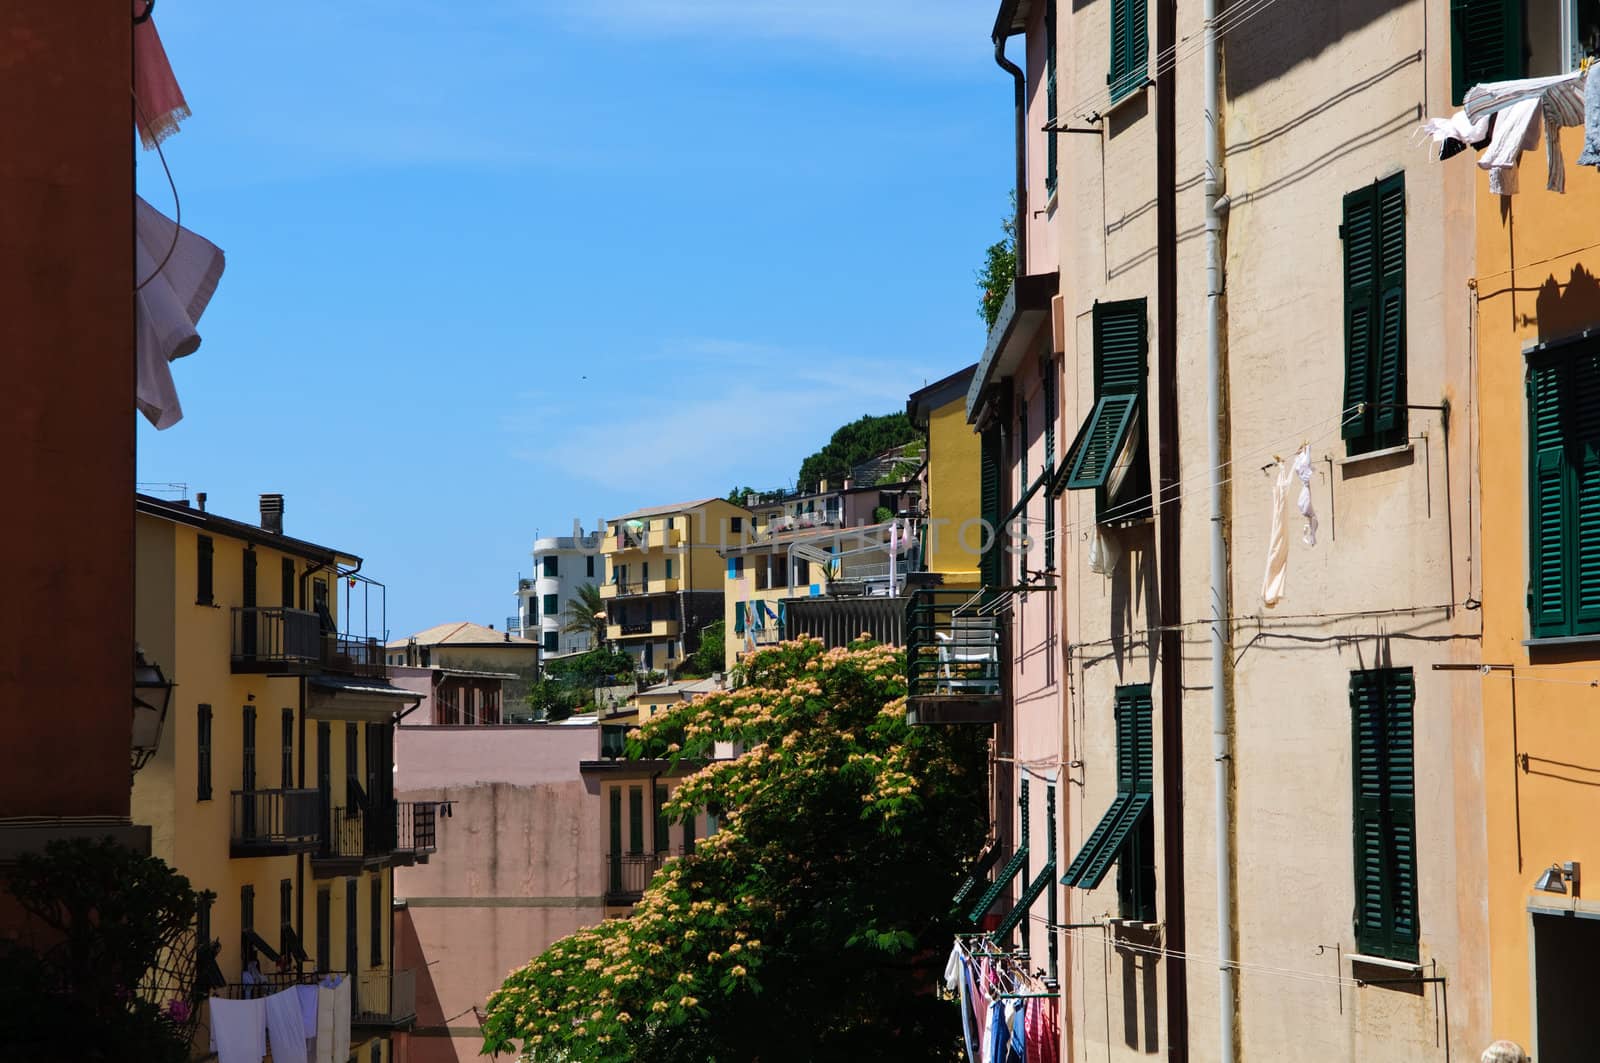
(177,205)
(1162,952)
(1353,614)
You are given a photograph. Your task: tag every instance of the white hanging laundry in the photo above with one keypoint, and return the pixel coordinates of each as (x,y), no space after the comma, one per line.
(1104,551)
(286,1030)
(238,1029)
(1303,469)
(179,272)
(1526,107)
(1277,573)
(1458,128)
(1590,155)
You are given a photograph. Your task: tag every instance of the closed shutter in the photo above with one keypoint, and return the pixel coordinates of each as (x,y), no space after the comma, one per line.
(203,752)
(1360,310)
(658,819)
(204,593)
(1485,43)
(635,819)
(1051,161)
(1373,933)
(287,583)
(1120,342)
(1400,778)
(989,501)
(1130,41)
(1547,504)
(616,821)
(1385,831)
(1390,384)
(1584,446)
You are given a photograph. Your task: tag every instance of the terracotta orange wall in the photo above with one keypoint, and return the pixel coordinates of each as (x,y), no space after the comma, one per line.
(66,284)
(1538,256)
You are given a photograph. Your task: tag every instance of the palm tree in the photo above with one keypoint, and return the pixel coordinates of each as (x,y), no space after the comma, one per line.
(586,614)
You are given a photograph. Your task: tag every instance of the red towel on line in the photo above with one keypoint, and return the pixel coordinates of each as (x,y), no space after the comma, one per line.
(161,105)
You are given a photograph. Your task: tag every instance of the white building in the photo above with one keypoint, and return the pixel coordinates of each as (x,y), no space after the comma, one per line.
(561,564)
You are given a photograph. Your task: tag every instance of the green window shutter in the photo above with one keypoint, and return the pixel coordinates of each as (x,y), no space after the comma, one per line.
(1400,780)
(1373,928)
(658,819)
(688,833)
(1485,43)
(1390,362)
(1096,451)
(1360,311)
(1121,340)
(1584,536)
(1045,878)
(989,500)
(1547,503)
(998,886)
(1052,164)
(635,819)
(1137,807)
(616,821)
(551,604)
(1130,43)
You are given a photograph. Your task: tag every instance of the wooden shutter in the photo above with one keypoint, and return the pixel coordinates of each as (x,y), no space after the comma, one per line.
(325,930)
(1372,923)
(658,819)
(249,766)
(1051,150)
(204,593)
(249,576)
(616,821)
(1400,782)
(287,583)
(1120,343)
(286,767)
(1102,441)
(989,500)
(1360,310)
(1130,41)
(635,819)
(1485,43)
(352,957)
(1547,503)
(1584,537)
(375,919)
(1390,363)
(203,752)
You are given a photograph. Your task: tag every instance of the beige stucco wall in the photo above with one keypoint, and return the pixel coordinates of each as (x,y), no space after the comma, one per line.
(1322,100)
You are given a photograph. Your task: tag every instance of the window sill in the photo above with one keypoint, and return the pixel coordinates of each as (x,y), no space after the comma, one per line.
(1372,455)
(1562,640)
(1401,967)
(1136,93)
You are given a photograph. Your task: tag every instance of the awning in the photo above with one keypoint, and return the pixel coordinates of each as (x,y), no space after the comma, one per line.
(1027,306)
(370,700)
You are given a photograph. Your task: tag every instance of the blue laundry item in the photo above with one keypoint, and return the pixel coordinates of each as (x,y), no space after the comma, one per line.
(1590,156)
(1017,1046)
(997,1036)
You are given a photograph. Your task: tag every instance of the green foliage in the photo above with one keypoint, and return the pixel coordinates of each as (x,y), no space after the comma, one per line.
(596,668)
(882,515)
(737,494)
(553,700)
(907,467)
(110,916)
(853,444)
(710,656)
(999,268)
(811,924)
(586,613)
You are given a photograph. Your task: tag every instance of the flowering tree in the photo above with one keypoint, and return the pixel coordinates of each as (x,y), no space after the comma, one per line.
(811,925)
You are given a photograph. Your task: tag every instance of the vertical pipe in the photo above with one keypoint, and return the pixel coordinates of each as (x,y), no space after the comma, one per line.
(1019,81)
(1169,553)
(1221,739)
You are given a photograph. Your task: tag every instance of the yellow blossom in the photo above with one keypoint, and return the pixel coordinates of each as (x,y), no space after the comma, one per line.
(737,972)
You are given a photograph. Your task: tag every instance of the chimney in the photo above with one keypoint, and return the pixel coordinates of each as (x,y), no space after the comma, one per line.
(200,500)
(822,486)
(272,514)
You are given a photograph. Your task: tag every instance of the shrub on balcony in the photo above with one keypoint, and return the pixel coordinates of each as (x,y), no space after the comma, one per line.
(812,923)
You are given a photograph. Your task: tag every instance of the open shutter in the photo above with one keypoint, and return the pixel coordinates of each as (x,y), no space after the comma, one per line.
(1400,781)
(1547,504)
(1390,362)
(998,886)
(1103,440)
(1584,439)
(1374,931)
(1019,911)
(1485,43)
(989,501)
(1360,310)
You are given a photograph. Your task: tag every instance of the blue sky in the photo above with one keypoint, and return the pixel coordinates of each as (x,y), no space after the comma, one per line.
(497,265)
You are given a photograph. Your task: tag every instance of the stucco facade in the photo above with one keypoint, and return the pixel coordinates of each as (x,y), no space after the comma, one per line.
(1533,298)
(561,565)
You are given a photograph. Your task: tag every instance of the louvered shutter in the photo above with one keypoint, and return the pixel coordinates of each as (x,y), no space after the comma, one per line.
(1373,929)
(1547,504)
(1051,163)
(1485,43)
(1389,389)
(1130,33)
(1119,46)
(1120,341)
(1400,784)
(1584,447)
(1360,310)
(989,501)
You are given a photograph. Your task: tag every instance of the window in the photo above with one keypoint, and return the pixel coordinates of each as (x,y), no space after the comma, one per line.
(204,551)
(1126,833)
(989,502)
(1374,232)
(203,752)
(616,821)
(635,819)
(1130,47)
(644,574)
(351,762)
(1385,813)
(688,833)
(249,562)
(1050,414)
(736,524)
(375,920)
(324,930)
(669,568)
(552,641)
(352,957)
(249,759)
(286,766)
(550,604)
(1563,387)
(286,593)
(658,819)
(550,566)
(1052,164)
(589,565)
(285,916)
(1110,453)
(671,523)
(735,567)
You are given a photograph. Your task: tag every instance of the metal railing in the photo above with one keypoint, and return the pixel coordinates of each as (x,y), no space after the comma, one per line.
(397,827)
(417,826)
(384,997)
(270,638)
(636,628)
(627,874)
(357,655)
(275,821)
(952,647)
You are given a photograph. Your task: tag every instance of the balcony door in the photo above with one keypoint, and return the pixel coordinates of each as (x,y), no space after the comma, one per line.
(247,618)
(325,787)
(352,951)
(248,773)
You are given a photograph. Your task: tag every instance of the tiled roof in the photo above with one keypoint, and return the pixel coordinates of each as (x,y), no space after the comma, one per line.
(676,507)
(461,633)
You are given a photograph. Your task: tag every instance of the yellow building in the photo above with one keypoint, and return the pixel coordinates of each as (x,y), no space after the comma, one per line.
(951,498)
(664,577)
(1537,304)
(273,786)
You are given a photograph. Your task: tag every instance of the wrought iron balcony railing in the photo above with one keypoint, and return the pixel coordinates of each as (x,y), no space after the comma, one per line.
(275,822)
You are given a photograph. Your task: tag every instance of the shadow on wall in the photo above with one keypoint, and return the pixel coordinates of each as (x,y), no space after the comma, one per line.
(1279,37)
(1133,584)
(1562,310)
(1139,985)
(430,1014)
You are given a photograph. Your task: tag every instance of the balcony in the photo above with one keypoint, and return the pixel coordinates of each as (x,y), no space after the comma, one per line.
(416,832)
(638,587)
(633,541)
(952,657)
(642,629)
(273,640)
(384,999)
(360,836)
(627,874)
(275,822)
